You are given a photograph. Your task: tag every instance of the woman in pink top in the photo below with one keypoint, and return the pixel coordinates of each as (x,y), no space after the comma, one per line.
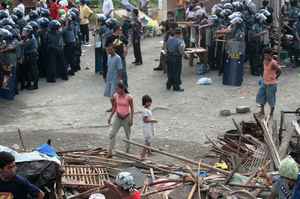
(268,88)
(122,105)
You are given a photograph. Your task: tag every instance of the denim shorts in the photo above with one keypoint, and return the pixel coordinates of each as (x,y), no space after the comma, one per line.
(267,94)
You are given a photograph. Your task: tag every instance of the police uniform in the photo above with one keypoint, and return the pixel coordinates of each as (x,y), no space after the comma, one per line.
(56,66)
(175,48)
(70,42)
(255,44)
(30,61)
(136,40)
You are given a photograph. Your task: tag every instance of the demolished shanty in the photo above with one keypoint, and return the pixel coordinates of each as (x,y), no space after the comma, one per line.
(239,164)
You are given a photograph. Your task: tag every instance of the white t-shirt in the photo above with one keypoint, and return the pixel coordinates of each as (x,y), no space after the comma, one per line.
(148,128)
(107,7)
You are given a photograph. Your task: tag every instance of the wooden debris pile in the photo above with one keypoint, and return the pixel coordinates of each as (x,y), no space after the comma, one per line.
(238,166)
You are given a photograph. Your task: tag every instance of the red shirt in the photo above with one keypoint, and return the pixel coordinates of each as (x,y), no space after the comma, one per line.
(54,8)
(136,195)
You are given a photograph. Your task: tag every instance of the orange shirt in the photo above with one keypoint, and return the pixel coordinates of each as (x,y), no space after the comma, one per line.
(270,70)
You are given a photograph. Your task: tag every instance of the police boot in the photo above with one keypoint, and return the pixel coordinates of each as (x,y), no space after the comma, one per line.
(28,85)
(36,85)
(178,89)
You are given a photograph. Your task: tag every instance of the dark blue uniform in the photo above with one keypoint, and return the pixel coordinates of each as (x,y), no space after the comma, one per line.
(175,47)
(56,66)
(69,48)
(30,61)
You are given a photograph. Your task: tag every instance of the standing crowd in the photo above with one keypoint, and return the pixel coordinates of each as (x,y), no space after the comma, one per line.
(46,42)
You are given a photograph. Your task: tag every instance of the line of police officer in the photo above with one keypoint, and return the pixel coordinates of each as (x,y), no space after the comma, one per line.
(42,47)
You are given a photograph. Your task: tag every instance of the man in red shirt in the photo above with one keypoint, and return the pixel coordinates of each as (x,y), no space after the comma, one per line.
(54,9)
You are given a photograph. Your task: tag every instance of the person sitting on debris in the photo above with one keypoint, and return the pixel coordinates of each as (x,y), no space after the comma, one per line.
(13,186)
(148,127)
(284,187)
(268,89)
(124,187)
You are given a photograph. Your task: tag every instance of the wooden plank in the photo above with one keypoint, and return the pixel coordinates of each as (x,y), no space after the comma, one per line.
(297,127)
(285,142)
(184,159)
(269,141)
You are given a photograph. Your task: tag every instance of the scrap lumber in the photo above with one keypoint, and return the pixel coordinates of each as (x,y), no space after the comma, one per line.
(285,143)
(21,139)
(148,166)
(269,141)
(184,159)
(297,127)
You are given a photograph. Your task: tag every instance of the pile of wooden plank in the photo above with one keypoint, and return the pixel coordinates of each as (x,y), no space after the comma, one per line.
(246,154)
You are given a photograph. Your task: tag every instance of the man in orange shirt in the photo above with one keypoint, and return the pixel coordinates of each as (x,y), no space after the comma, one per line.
(268,88)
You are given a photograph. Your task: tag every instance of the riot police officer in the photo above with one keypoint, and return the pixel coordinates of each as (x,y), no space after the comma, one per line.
(55,51)
(175,48)
(30,57)
(43,57)
(69,41)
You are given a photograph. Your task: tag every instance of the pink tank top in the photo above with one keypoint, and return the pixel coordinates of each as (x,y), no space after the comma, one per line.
(270,73)
(123,106)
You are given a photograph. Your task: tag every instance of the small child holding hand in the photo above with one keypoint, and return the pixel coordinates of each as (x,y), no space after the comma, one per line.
(148,124)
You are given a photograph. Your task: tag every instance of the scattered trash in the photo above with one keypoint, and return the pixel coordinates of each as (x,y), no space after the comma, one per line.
(204,81)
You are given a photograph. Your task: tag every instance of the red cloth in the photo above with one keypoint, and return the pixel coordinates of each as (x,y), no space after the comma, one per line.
(54,8)
(136,195)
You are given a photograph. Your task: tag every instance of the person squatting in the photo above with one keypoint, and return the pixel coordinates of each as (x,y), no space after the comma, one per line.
(42,47)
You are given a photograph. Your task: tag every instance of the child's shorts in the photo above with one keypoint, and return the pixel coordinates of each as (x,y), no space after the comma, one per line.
(267,94)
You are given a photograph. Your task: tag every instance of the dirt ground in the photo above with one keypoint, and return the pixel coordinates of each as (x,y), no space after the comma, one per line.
(72,113)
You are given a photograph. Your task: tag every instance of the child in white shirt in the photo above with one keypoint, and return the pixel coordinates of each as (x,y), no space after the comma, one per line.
(148,124)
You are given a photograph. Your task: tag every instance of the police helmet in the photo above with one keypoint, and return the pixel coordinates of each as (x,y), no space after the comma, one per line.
(236,20)
(265,12)
(228,6)
(234,15)
(44,12)
(7,21)
(101,18)
(238,6)
(43,22)
(71,15)
(54,25)
(3,14)
(18,13)
(216,9)
(112,23)
(5,37)
(126,181)
(15,32)
(33,15)
(75,10)
(28,30)
(225,13)
(34,25)
(260,17)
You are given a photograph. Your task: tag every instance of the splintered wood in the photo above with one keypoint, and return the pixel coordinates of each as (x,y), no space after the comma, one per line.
(84,176)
